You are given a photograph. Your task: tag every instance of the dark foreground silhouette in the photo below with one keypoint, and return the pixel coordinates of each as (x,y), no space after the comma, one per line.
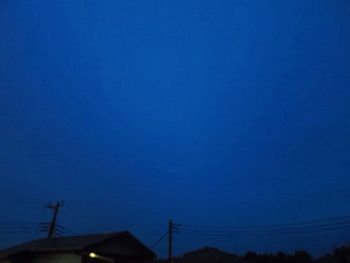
(214,255)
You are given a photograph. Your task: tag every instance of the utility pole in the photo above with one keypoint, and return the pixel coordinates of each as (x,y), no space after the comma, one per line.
(55,207)
(170,241)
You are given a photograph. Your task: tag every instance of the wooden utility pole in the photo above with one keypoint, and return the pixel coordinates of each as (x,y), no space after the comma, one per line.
(55,207)
(170,241)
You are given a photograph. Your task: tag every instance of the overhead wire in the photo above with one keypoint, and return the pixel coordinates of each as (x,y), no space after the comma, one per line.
(18,227)
(303,227)
(273,230)
(230,234)
(308,222)
(160,239)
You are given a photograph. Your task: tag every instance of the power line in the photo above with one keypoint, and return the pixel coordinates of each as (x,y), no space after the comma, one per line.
(304,227)
(160,239)
(266,233)
(16,223)
(17,227)
(15,233)
(344,224)
(301,223)
(18,231)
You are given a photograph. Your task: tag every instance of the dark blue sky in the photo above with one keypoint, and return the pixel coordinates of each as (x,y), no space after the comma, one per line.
(210,112)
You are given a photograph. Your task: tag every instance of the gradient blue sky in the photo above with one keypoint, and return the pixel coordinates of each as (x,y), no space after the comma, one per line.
(208,112)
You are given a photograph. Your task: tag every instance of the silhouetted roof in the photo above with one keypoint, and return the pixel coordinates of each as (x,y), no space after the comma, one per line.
(73,244)
(209,254)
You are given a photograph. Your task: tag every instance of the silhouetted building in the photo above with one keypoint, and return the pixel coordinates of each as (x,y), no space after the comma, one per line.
(209,255)
(111,247)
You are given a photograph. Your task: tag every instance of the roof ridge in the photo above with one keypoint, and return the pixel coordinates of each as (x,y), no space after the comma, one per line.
(79,242)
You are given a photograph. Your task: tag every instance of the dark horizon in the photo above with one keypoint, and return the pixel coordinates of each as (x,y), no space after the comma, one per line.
(228,113)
